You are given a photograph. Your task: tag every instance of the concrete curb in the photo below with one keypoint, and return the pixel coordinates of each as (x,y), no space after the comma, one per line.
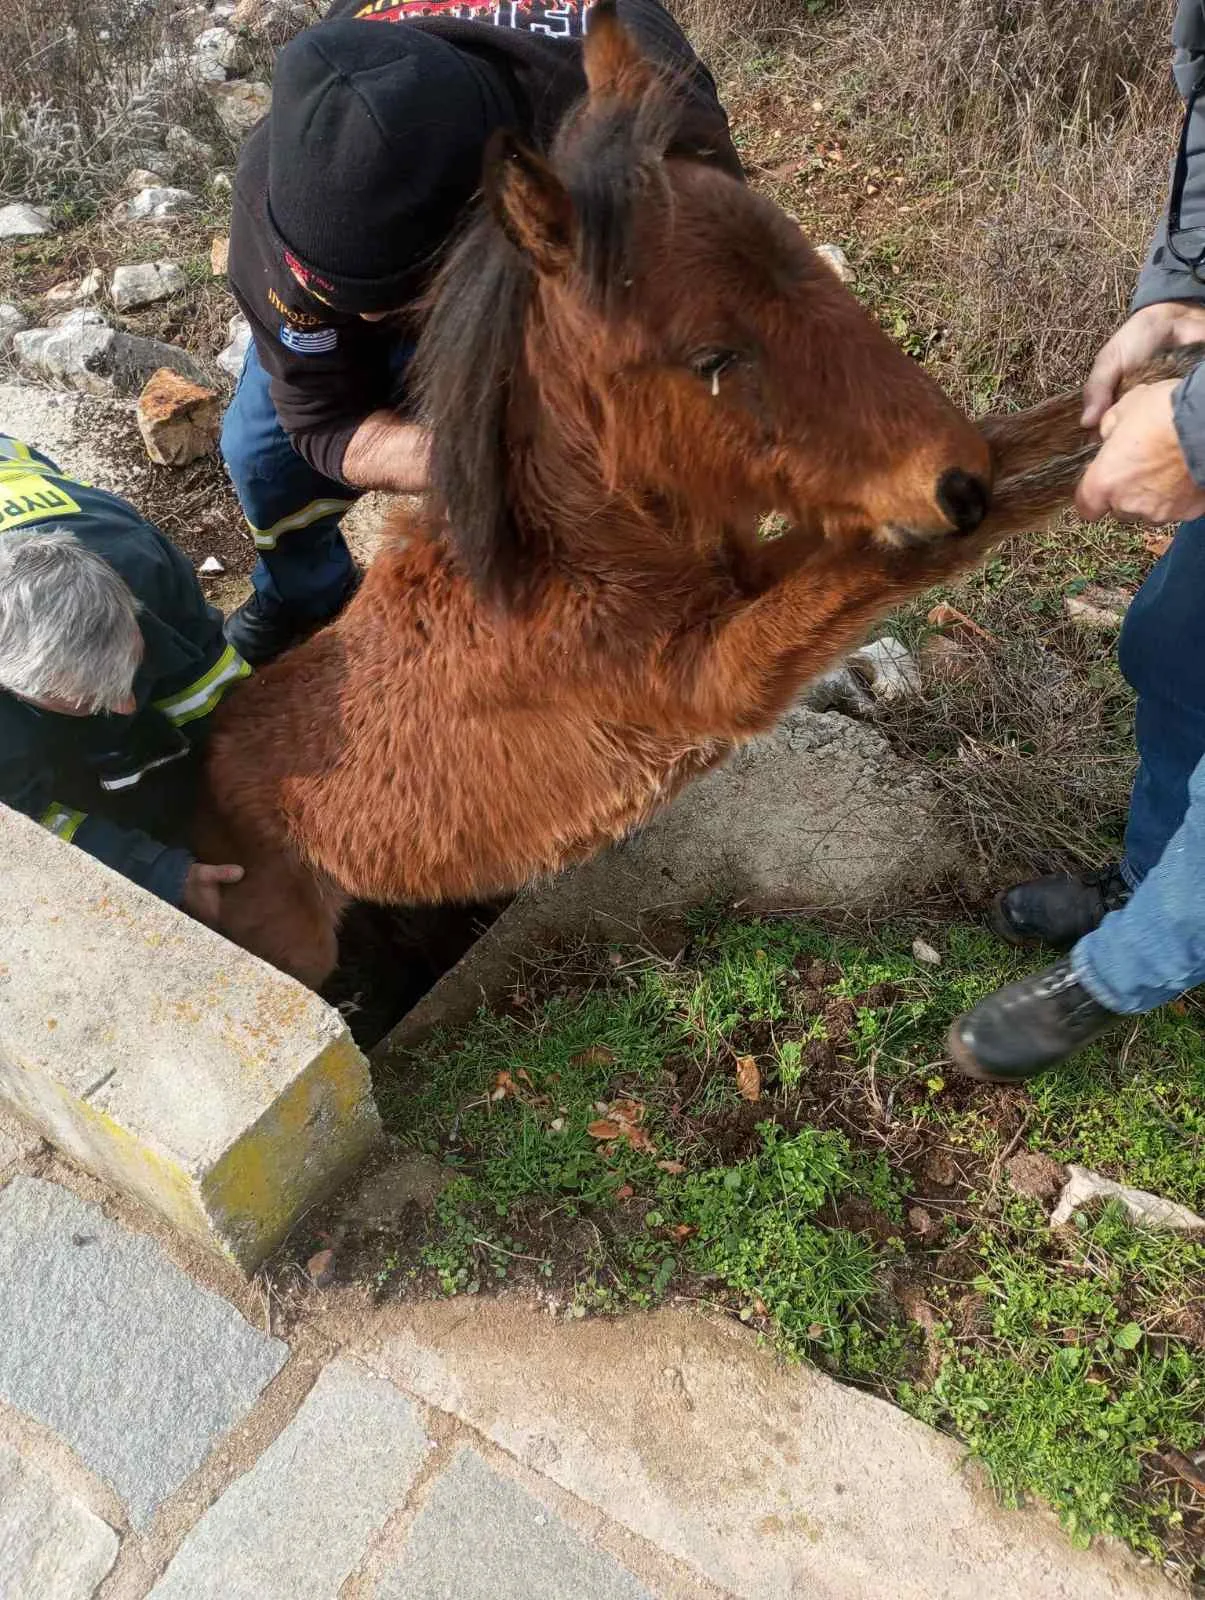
(187,1073)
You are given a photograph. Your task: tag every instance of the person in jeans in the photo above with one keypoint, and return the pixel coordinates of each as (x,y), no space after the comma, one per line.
(1134,931)
(344,201)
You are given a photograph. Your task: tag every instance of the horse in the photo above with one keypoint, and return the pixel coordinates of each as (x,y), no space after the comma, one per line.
(630,362)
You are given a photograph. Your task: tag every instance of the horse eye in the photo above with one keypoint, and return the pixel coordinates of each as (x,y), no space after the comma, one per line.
(711,365)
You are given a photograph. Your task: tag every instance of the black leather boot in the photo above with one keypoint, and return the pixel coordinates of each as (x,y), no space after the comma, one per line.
(261,630)
(1058,910)
(1027,1027)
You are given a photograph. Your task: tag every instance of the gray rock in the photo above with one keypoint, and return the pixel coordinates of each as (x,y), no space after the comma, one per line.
(231,358)
(142,178)
(217,49)
(51,1546)
(108,1344)
(161,163)
(833,256)
(271,19)
(888,669)
(839,690)
(143,285)
(481,1537)
(160,204)
(90,286)
(1147,1210)
(240,105)
(23,221)
(300,1521)
(86,353)
(1097,608)
(12,322)
(221,183)
(187,148)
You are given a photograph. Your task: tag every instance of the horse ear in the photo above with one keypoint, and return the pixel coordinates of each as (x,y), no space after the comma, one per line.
(530,204)
(615,68)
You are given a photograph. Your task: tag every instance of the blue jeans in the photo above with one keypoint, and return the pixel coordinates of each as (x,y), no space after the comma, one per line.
(1153,949)
(292,510)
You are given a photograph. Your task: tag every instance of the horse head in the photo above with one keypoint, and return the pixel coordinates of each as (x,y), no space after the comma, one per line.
(627,331)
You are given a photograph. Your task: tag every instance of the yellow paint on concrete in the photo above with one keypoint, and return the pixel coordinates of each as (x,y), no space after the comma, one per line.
(253,1192)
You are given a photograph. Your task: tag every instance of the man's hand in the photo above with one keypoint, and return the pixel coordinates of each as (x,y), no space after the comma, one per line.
(1154,328)
(387,453)
(202,896)
(1141,472)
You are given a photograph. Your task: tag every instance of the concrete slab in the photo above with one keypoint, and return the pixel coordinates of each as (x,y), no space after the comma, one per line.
(158,1056)
(480,1537)
(51,1546)
(820,815)
(300,1521)
(769,1480)
(107,1343)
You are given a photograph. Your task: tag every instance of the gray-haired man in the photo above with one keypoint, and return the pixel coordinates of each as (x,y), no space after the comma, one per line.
(111,663)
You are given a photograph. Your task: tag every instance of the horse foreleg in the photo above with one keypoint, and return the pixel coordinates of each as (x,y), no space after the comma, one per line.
(282,914)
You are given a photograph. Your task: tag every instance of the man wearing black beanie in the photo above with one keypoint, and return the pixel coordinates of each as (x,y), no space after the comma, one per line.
(345,198)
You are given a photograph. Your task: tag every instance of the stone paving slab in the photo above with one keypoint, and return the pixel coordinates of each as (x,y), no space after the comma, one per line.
(51,1546)
(771,1481)
(107,1343)
(481,1537)
(299,1522)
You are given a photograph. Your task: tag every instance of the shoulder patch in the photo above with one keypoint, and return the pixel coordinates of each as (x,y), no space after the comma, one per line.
(318,343)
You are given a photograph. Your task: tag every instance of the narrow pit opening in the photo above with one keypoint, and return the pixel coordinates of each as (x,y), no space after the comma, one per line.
(389,957)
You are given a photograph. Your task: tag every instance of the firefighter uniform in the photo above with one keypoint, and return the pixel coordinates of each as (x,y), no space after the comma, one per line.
(119,787)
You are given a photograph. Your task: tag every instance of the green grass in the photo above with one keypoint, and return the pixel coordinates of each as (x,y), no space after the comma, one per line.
(1062,1359)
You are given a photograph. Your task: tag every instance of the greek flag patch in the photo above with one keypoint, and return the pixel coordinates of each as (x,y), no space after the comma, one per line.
(318,342)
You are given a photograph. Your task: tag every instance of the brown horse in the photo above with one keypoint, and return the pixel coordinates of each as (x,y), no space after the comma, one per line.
(630,360)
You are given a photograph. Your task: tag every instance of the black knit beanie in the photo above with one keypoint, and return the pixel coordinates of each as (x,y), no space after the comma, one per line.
(375,145)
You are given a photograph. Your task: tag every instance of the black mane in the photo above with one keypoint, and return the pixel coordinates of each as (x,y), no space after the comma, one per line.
(470,355)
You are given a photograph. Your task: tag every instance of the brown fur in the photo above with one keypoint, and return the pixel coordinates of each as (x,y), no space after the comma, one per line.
(593,620)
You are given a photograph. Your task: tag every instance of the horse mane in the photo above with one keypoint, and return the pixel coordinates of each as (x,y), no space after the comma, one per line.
(470,362)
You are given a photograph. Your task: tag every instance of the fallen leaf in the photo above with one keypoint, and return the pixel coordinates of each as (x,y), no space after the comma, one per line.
(815,1330)
(748,1078)
(525,1075)
(674,1168)
(604,1130)
(683,1231)
(1158,544)
(948,616)
(321,1268)
(624,1192)
(596,1056)
(557,1124)
(921,1221)
(504,1087)
(926,953)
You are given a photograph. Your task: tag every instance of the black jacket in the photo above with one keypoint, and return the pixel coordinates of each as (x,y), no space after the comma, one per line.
(329,371)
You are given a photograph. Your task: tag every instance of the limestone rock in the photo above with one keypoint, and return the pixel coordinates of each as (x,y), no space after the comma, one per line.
(1098,608)
(839,690)
(142,178)
(146,283)
(240,105)
(835,258)
(90,286)
(221,183)
(60,294)
(270,19)
(187,148)
(23,221)
(178,420)
(87,353)
(1148,1210)
(888,669)
(217,54)
(159,204)
(12,322)
(231,358)
(219,256)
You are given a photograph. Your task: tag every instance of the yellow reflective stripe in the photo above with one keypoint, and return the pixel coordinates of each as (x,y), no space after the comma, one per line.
(62,820)
(13,450)
(265,538)
(200,698)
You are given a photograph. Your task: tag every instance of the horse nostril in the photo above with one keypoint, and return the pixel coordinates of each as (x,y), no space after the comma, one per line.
(963,498)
